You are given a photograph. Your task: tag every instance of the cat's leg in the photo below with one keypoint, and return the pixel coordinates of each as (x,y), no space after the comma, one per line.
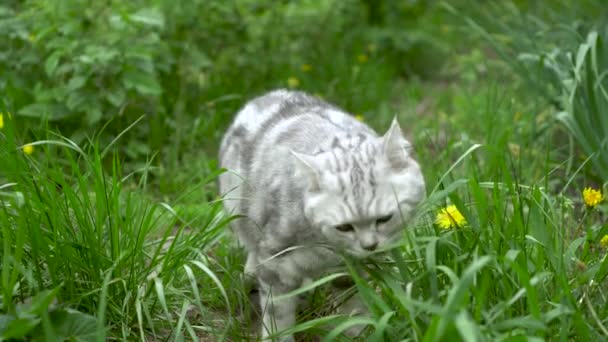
(278,313)
(354,306)
(250,281)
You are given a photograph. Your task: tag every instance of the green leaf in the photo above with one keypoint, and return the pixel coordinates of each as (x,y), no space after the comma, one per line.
(456,163)
(459,291)
(93,115)
(75,100)
(213,277)
(5,320)
(116,96)
(76,82)
(311,286)
(466,327)
(527,322)
(321,321)
(603,270)
(51,63)
(19,327)
(42,301)
(145,84)
(382,327)
(349,323)
(100,54)
(49,111)
(149,17)
(73,325)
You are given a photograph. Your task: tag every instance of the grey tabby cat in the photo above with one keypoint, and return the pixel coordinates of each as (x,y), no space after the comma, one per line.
(311,182)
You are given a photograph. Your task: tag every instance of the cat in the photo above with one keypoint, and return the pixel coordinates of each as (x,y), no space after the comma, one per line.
(310,182)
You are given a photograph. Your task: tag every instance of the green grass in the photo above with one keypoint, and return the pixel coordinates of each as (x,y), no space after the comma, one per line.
(72,226)
(116,232)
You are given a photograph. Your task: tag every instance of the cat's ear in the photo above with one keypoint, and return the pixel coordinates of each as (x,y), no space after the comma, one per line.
(307,165)
(394,146)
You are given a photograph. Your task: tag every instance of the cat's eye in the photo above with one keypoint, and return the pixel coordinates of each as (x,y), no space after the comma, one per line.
(384,219)
(347,227)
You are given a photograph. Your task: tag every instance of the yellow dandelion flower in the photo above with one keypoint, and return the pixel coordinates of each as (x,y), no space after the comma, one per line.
(517,116)
(28,148)
(362,58)
(604,241)
(306,67)
(359,117)
(450,217)
(514,149)
(592,197)
(293,82)
(2,118)
(372,47)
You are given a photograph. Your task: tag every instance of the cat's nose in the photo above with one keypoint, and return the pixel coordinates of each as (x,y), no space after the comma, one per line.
(370,246)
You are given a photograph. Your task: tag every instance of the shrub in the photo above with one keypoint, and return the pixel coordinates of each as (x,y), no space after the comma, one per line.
(561,55)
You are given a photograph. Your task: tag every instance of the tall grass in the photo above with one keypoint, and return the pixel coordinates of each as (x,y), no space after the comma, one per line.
(585,98)
(77,237)
(561,54)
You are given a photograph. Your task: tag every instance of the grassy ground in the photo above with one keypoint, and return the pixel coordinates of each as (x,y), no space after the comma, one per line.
(120,235)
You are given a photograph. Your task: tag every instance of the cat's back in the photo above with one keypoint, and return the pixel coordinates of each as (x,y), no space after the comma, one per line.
(283,120)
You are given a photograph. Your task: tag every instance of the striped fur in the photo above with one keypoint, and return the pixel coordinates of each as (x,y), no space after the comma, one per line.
(301,169)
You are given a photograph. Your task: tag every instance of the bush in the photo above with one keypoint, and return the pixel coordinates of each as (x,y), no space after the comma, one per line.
(82,61)
(77,64)
(561,55)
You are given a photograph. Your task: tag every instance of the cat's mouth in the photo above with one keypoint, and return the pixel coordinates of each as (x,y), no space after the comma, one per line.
(384,246)
(361,253)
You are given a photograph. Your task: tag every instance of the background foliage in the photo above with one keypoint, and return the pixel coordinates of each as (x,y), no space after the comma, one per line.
(111,226)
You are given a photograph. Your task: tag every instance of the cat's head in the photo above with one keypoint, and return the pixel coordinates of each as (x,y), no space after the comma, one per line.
(361,196)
